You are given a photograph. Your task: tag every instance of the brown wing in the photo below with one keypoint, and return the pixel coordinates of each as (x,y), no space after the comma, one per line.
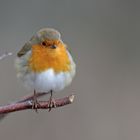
(24,50)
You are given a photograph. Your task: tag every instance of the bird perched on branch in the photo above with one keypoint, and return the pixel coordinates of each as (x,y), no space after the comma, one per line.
(44,63)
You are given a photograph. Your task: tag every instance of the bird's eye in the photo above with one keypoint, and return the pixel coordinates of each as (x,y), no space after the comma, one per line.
(43,43)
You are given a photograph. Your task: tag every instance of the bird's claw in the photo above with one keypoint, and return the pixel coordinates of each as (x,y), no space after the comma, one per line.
(52,104)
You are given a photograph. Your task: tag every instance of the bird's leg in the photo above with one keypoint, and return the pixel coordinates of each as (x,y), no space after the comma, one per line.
(35,103)
(52,102)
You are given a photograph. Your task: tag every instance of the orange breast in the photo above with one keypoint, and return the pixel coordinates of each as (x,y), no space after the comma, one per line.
(43,58)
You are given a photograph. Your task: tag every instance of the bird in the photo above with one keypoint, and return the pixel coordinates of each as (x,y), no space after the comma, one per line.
(45,64)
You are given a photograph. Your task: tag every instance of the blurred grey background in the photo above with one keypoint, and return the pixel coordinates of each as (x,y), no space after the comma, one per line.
(104,38)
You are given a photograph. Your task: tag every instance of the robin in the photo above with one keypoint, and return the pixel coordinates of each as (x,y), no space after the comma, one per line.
(44,64)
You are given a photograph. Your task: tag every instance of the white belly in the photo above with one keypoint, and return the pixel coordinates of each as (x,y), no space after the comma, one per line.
(46,81)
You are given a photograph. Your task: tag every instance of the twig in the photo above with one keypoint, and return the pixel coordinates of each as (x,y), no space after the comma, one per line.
(28,105)
(5,55)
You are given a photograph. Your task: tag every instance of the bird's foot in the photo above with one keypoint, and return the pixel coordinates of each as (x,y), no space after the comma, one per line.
(35,102)
(52,103)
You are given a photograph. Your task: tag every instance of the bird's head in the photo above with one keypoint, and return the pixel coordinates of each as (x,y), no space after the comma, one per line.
(48,51)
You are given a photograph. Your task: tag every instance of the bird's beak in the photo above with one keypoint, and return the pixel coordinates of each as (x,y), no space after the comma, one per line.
(53,46)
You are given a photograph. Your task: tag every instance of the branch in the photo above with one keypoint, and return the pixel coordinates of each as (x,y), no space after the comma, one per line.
(18,106)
